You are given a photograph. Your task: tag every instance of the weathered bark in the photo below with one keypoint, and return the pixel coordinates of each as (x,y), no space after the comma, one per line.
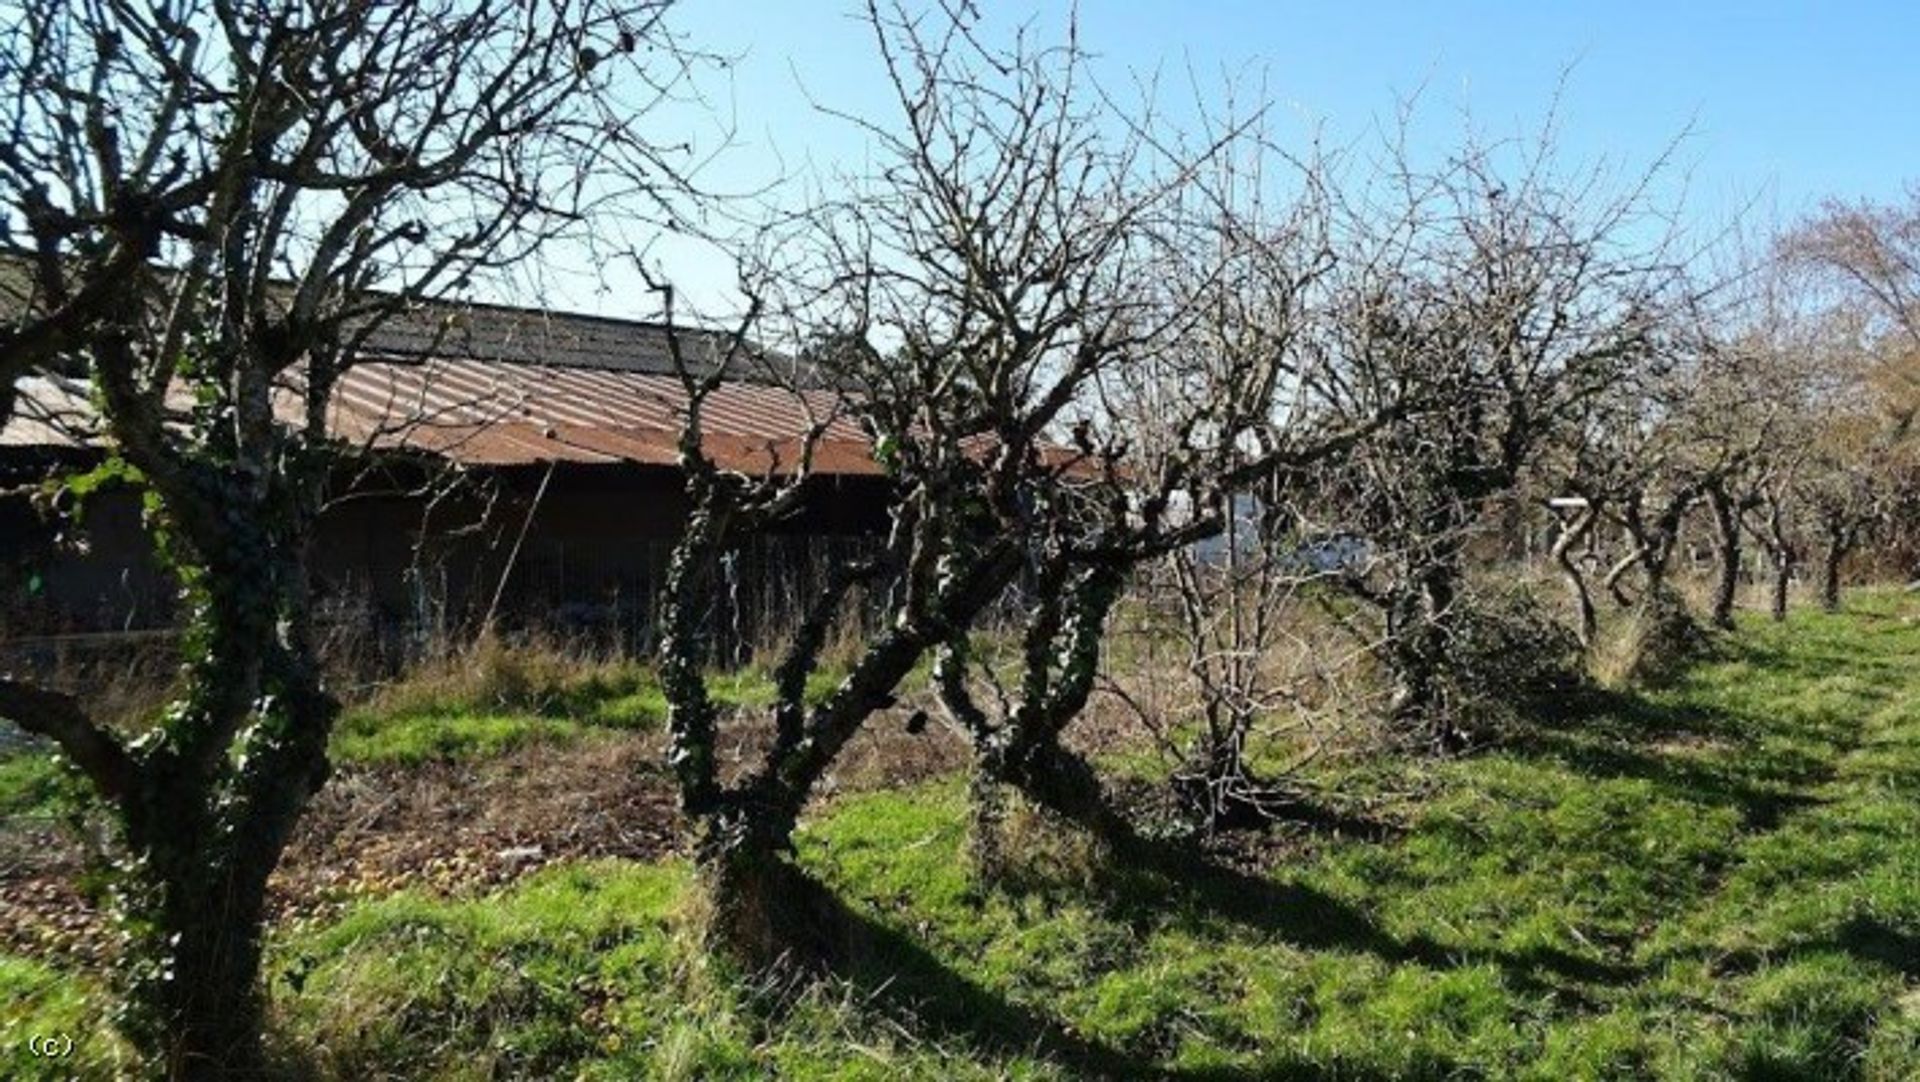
(1727,556)
(986,825)
(58,717)
(1572,532)
(1615,579)
(204,996)
(1061,782)
(1831,558)
(1654,538)
(762,912)
(197,903)
(1783,554)
(192,910)
(1023,751)
(754,916)
(1782,580)
(1841,536)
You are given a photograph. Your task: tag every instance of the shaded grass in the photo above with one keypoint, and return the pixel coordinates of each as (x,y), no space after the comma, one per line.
(1720,879)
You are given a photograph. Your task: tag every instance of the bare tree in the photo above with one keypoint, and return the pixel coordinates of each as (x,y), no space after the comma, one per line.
(1842,503)
(1017,273)
(1852,445)
(1599,474)
(1574,527)
(1860,262)
(1635,466)
(1233,607)
(1503,304)
(1871,255)
(212,205)
(1248,331)
(1186,427)
(1150,294)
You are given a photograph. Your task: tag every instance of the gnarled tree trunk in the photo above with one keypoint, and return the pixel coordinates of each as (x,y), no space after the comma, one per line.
(1840,540)
(1418,654)
(1022,751)
(1782,554)
(205,848)
(1572,532)
(1727,556)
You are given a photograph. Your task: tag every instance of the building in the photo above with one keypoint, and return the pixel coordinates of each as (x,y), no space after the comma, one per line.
(513,463)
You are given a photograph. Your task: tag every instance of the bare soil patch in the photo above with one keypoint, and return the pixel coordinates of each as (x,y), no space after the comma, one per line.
(451,828)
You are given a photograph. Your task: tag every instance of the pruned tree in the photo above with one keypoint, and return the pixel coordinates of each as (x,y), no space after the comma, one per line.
(1140,297)
(1851,445)
(1635,464)
(1860,265)
(1222,424)
(1503,305)
(211,205)
(1598,475)
(1182,431)
(1870,255)
(1739,422)
(1574,524)
(1019,262)
(1234,605)
(958,342)
(1842,503)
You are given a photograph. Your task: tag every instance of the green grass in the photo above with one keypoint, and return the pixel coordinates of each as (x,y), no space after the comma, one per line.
(494,698)
(515,700)
(32,782)
(480,705)
(1720,879)
(36,1001)
(413,739)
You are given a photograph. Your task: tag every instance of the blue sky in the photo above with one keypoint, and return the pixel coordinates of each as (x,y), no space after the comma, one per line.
(1782,104)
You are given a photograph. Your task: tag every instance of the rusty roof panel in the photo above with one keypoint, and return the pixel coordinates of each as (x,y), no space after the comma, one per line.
(528,414)
(494,413)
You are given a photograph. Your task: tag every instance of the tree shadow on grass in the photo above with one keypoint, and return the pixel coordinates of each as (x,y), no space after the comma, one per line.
(1155,873)
(1866,939)
(1873,940)
(893,974)
(1150,883)
(1624,735)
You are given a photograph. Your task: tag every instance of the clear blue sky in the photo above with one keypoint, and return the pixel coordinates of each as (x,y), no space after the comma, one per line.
(1785,103)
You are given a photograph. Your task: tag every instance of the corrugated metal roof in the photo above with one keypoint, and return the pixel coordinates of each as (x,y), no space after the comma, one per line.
(484,332)
(49,412)
(490,386)
(496,413)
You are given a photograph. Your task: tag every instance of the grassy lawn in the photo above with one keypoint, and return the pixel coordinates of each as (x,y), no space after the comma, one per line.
(479,716)
(1719,879)
(32,783)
